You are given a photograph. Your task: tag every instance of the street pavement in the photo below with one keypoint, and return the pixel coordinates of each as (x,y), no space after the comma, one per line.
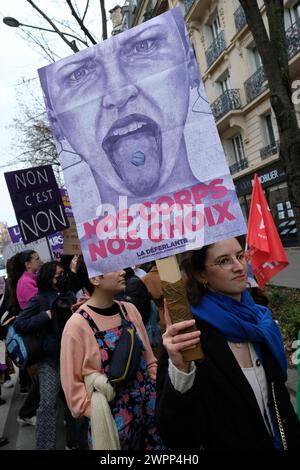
(290,276)
(22,437)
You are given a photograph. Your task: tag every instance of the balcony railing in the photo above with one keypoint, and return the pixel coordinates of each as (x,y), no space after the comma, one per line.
(215,49)
(269,150)
(229,100)
(188,4)
(238,166)
(254,85)
(293,39)
(239,18)
(148,15)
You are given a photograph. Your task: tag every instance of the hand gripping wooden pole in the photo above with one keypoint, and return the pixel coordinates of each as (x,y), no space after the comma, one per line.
(175,294)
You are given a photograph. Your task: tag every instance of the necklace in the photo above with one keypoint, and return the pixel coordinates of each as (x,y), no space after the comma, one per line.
(238,345)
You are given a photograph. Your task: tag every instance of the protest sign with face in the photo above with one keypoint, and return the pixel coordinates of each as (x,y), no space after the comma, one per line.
(142,159)
(37,202)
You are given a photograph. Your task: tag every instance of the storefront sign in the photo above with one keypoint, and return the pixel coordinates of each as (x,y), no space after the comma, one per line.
(267,176)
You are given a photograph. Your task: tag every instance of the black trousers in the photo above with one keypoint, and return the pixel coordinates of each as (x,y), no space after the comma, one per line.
(24,378)
(31,403)
(76,428)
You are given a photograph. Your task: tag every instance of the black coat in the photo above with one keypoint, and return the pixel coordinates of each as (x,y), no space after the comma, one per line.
(34,318)
(220,411)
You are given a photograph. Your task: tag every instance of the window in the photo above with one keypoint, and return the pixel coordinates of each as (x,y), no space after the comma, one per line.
(215,28)
(225,83)
(125,21)
(243,205)
(256,59)
(133,5)
(296,10)
(282,212)
(238,148)
(268,130)
(294,13)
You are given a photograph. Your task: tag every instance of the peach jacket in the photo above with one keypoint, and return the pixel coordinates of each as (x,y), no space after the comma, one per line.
(80,354)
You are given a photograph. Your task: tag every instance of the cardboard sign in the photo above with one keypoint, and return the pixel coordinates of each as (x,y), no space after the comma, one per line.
(141,156)
(56,240)
(40,246)
(71,241)
(37,202)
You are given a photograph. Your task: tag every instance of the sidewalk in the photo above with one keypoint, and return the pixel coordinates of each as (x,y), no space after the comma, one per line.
(291,383)
(7,394)
(290,276)
(22,437)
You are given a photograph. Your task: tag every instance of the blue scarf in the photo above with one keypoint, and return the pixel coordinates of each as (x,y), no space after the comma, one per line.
(242,321)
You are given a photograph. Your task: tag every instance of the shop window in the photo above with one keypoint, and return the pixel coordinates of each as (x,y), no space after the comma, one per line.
(283,213)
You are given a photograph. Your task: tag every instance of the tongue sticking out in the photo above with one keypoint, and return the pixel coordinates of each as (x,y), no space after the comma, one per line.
(135,149)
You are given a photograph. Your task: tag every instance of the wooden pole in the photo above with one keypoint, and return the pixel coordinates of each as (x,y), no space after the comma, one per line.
(50,249)
(174,292)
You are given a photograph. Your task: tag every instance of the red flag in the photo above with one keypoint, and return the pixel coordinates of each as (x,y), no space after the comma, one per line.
(268,255)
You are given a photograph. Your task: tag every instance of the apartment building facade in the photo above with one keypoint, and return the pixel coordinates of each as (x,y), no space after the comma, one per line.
(238,93)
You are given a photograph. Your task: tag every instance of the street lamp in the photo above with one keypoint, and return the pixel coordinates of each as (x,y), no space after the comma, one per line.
(12,22)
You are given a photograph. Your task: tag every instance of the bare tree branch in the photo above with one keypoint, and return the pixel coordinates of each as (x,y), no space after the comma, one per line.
(71,44)
(69,28)
(80,22)
(47,53)
(86,9)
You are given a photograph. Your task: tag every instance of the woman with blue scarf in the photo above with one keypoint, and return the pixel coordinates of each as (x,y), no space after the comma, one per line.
(235,399)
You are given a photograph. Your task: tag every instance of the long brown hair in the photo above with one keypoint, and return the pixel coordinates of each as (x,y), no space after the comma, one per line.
(15,267)
(192,263)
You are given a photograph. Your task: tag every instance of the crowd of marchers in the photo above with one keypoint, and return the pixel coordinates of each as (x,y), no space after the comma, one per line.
(111,354)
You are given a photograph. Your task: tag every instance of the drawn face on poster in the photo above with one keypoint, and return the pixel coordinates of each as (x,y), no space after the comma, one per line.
(122,107)
(126,114)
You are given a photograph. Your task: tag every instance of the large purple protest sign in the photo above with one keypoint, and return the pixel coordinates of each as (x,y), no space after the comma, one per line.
(37,202)
(142,160)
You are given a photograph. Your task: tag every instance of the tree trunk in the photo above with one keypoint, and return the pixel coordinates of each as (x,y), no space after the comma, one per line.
(274,55)
(104,19)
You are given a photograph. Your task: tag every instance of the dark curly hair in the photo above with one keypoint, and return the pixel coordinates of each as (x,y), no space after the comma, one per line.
(46,274)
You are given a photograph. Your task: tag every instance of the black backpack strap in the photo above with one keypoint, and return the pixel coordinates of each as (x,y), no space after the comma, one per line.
(124,316)
(90,321)
(123,311)
(93,325)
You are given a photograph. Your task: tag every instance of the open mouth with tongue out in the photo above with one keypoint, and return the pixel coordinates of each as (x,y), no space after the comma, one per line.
(134,140)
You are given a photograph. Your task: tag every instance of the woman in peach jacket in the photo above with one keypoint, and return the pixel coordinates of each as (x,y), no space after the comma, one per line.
(88,342)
